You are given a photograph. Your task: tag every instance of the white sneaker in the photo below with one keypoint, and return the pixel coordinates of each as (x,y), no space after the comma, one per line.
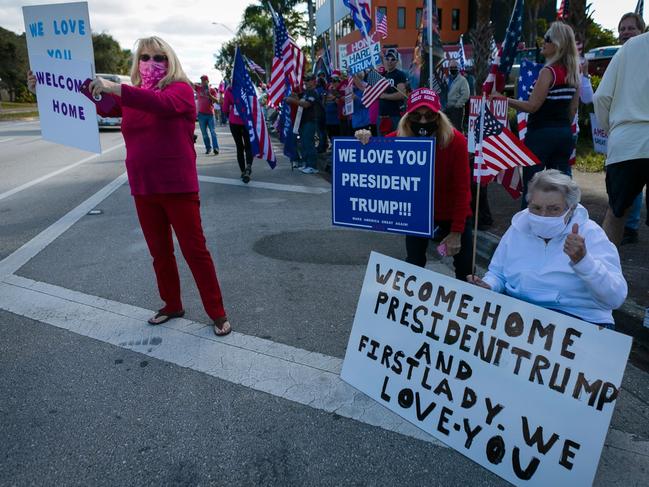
(306,170)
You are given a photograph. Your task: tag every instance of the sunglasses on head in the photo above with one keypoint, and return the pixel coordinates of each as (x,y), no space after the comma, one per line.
(548,39)
(158,58)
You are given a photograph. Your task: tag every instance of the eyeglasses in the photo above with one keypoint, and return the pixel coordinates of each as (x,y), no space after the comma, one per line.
(422,117)
(547,39)
(158,58)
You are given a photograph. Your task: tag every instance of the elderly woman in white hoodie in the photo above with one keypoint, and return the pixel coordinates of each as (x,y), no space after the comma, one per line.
(554,256)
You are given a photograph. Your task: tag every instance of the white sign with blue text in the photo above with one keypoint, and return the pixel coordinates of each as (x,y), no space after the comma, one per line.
(363,57)
(385,185)
(526,392)
(67,117)
(59,43)
(59,31)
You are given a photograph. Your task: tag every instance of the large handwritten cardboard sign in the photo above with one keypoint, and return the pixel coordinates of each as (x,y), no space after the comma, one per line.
(525,392)
(59,43)
(497,105)
(386,185)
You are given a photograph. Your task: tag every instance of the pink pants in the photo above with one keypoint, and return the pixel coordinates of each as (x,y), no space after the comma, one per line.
(158,214)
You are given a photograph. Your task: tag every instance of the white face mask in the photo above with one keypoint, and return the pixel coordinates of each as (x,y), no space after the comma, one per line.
(547,226)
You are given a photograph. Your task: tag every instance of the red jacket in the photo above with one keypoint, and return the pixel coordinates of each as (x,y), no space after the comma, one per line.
(452,182)
(158,128)
(230,109)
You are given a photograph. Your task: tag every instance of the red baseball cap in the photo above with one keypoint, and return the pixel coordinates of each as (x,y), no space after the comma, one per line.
(423,97)
(205,77)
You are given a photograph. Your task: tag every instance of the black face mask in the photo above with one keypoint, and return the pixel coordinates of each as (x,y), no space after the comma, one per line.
(453,72)
(427,129)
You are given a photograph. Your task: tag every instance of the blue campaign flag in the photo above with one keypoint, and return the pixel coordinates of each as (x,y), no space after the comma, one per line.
(385,185)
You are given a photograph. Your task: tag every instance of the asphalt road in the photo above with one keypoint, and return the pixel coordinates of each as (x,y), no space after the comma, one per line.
(89,395)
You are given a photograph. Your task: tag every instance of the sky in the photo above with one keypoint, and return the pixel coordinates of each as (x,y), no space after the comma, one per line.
(189,26)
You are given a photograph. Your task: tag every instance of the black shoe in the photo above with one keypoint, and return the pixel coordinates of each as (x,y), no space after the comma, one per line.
(246,175)
(630,236)
(216,152)
(207,152)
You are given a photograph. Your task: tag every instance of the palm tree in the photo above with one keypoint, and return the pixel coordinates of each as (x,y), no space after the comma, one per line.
(481,38)
(533,9)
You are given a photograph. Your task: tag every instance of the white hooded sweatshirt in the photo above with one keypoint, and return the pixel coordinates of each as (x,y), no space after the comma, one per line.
(525,267)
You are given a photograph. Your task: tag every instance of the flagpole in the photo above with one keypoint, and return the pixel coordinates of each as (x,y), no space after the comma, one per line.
(430,43)
(332,36)
(477,195)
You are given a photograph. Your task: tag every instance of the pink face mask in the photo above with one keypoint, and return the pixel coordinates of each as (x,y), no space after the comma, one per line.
(152,72)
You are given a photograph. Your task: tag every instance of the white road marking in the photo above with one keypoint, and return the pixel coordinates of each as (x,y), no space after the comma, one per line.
(20,257)
(7,139)
(308,378)
(262,185)
(29,184)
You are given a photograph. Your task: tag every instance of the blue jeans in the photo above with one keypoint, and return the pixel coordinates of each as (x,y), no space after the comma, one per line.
(309,152)
(553,146)
(206,120)
(633,220)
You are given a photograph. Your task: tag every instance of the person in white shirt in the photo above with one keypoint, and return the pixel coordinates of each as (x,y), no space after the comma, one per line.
(622,108)
(554,256)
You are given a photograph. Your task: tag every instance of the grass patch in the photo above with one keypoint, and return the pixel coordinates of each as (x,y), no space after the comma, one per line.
(587,159)
(11,105)
(18,115)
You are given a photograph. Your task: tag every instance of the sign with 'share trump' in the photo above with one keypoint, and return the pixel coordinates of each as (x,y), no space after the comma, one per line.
(526,392)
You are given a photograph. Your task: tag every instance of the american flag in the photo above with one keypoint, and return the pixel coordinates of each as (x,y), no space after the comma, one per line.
(639,8)
(360,10)
(288,63)
(529,73)
(507,51)
(247,104)
(562,13)
(376,84)
(253,65)
(381,26)
(462,56)
(501,149)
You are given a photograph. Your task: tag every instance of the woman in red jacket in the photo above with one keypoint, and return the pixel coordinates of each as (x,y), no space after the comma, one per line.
(424,118)
(158,114)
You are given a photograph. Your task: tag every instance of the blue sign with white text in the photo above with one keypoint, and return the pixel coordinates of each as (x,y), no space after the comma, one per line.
(385,185)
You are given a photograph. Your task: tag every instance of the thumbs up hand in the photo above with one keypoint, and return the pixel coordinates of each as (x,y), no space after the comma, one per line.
(575,245)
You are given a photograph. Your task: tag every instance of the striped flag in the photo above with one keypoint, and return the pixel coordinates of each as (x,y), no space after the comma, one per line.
(562,13)
(497,75)
(501,149)
(254,66)
(381,26)
(360,10)
(249,108)
(376,84)
(639,8)
(288,62)
(529,73)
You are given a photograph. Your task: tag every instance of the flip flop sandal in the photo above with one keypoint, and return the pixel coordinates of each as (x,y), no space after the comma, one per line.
(154,320)
(222,327)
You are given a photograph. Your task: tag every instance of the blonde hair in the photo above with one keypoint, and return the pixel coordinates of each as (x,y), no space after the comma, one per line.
(444,133)
(564,38)
(174,71)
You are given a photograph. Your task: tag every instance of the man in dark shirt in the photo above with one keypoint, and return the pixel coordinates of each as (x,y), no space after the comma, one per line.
(311,111)
(391,99)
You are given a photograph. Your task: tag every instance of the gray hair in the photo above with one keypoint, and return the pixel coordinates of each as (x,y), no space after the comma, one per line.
(554,180)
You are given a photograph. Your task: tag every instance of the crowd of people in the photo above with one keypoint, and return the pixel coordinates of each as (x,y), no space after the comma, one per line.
(553,254)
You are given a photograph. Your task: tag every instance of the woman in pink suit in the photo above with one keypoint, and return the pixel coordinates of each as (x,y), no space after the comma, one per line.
(158,114)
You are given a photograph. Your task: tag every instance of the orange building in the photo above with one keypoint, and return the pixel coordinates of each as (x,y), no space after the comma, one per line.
(404,19)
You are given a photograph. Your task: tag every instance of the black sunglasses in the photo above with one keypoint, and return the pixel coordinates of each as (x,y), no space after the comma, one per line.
(158,58)
(422,117)
(548,39)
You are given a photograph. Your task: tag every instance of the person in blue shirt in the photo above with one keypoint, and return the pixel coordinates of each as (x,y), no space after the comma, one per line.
(361,115)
